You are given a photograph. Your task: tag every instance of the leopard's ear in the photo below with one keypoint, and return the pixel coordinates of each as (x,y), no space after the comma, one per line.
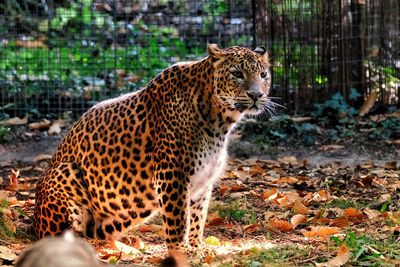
(262,51)
(215,52)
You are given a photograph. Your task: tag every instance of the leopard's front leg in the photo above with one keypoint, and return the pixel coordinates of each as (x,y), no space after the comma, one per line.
(172,191)
(198,208)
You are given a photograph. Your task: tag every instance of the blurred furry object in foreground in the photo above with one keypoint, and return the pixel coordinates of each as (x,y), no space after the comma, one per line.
(70,251)
(62,251)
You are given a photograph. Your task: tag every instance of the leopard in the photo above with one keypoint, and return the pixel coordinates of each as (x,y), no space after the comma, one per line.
(160,149)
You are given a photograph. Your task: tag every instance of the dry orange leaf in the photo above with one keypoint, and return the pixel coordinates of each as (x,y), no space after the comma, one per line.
(341,258)
(234,188)
(288,180)
(251,228)
(216,222)
(256,170)
(280,225)
(298,219)
(208,259)
(40,125)
(13,177)
(321,231)
(16,121)
(269,192)
(291,160)
(300,208)
(340,222)
(321,195)
(353,212)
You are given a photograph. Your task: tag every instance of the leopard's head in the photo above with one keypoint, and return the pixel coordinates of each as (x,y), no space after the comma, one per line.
(242,78)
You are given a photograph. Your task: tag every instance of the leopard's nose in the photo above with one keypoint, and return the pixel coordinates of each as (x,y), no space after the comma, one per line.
(254,95)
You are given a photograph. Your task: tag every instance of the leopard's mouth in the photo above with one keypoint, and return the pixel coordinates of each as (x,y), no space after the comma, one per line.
(253,107)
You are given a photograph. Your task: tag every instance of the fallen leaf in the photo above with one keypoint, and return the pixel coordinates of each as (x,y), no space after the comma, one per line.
(16,121)
(287,199)
(298,219)
(8,222)
(342,257)
(256,170)
(300,208)
(372,214)
(384,198)
(249,229)
(227,189)
(7,254)
(281,225)
(392,165)
(366,181)
(270,194)
(321,231)
(368,104)
(121,247)
(41,125)
(218,221)
(42,157)
(208,259)
(394,142)
(321,195)
(15,185)
(288,180)
(353,212)
(212,241)
(330,147)
(340,222)
(13,178)
(55,128)
(291,160)
(301,119)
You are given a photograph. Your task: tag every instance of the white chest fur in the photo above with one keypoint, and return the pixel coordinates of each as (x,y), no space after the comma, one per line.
(211,168)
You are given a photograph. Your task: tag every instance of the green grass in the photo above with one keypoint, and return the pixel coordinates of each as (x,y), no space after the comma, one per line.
(237,212)
(370,251)
(278,256)
(344,204)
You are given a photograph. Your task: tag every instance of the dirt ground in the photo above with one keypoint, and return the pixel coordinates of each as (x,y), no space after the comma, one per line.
(254,204)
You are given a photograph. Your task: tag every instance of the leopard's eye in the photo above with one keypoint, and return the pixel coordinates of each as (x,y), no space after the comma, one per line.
(264,75)
(238,74)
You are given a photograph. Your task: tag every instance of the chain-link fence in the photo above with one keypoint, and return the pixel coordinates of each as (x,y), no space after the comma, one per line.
(65,55)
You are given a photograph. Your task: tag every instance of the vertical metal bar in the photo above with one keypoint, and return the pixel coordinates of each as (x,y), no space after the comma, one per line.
(253,9)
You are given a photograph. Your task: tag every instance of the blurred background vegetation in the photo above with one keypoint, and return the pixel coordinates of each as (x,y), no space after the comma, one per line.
(66,55)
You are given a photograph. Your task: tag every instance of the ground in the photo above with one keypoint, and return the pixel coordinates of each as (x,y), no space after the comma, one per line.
(278,203)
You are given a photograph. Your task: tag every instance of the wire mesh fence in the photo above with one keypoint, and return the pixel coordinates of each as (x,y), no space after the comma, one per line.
(65,55)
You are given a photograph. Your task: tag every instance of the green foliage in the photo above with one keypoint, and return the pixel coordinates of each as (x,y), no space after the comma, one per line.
(368,251)
(333,107)
(78,13)
(282,128)
(298,9)
(4,204)
(277,256)
(4,131)
(214,8)
(235,211)
(343,204)
(386,129)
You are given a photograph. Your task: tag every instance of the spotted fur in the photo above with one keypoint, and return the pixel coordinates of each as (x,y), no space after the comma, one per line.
(159,149)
